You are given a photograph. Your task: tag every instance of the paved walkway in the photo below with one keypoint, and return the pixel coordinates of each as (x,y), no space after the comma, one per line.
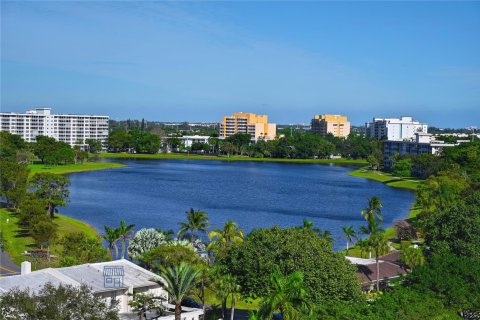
(7,267)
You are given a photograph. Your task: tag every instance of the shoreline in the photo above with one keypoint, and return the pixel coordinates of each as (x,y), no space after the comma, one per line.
(382,177)
(73,168)
(181,156)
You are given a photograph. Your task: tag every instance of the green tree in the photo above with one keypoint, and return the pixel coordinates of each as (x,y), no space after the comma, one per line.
(56,302)
(451,278)
(223,239)
(373,162)
(402,168)
(169,255)
(13,182)
(412,257)
(94,145)
(227,148)
(196,221)
(120,140)
(31,211)
(44,233)
(144,142)
(288,295)
(179,283)
(111,236)
(327,273)
(10,144)
(124,233)
(379,244)
(52,188)
(44,146)
(349,234)
(78,248)
(455,228)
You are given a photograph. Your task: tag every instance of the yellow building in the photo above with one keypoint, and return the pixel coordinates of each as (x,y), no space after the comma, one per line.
(331,123)
(255,125)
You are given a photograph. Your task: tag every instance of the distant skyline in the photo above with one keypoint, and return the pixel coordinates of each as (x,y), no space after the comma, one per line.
(198,61)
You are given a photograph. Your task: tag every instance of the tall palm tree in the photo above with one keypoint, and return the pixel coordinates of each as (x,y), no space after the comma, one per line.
(379,244)
(125,232)
(221,239)
(179,282)
(349,234)
(373,211)
(288,295)
(196,221)
(111,236)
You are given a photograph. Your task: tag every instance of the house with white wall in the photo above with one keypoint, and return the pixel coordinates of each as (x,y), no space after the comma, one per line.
(108,280)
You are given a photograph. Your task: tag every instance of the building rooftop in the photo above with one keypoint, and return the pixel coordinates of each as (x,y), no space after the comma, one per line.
(91,274)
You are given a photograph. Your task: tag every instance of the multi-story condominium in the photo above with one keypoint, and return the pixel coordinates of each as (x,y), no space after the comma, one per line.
(72,129)
(255,125)
(422,143)
(395,129)
(335,124)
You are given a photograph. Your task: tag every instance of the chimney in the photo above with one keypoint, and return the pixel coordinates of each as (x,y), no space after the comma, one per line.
(26,267)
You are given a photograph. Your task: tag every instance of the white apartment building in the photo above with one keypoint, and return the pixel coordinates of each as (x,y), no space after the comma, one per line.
(394,129)
(69,128)
(421,143)
(187,141)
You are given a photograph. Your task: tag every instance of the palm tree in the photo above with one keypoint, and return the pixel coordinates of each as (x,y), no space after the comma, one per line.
(378,242)
(179,282)
(373,211)
(363,245)
(196,221)
(307,224)
(221,239)
(111,236)
(349,233)
(288,295)
(124,232)
(327,235)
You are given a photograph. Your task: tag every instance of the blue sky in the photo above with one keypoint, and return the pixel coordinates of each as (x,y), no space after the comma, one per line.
(196,61)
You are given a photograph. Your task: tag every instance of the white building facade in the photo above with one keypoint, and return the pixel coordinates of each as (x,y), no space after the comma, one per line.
(68,128)
(187,141)
(421,143)
(394,129)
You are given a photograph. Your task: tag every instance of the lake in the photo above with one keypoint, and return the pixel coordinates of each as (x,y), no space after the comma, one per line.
(156,193)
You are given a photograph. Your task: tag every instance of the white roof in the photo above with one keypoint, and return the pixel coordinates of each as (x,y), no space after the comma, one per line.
(361,261)
(90,274)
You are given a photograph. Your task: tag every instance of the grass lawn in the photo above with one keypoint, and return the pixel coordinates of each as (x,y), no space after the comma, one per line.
(18,241)
(387,178)
(70,168)
(183,156)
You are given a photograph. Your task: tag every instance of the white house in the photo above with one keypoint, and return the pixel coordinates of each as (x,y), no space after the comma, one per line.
(108,280)
(187,141)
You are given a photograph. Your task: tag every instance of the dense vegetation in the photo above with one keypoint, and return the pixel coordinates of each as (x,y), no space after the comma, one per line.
(291,271)
(34,200)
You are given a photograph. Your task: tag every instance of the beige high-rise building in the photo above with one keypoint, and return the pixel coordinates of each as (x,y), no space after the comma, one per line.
(331,123)
(255,125)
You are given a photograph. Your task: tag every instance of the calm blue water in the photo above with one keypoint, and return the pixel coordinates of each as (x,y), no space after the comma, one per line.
(153,193)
